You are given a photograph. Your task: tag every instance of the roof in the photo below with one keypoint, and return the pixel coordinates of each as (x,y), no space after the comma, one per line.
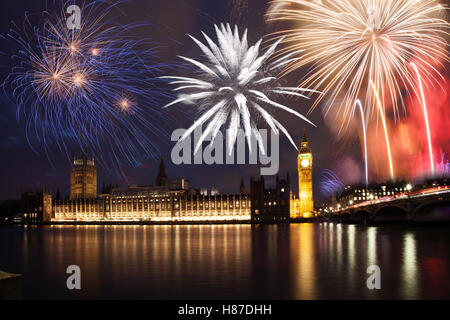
(304,148)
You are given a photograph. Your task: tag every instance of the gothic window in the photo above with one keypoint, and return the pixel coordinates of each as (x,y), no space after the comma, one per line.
(78,179)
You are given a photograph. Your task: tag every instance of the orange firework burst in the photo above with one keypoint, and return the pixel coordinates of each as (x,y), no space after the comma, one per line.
(351,42)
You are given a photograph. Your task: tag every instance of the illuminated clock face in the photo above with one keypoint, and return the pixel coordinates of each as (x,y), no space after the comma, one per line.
(305,163)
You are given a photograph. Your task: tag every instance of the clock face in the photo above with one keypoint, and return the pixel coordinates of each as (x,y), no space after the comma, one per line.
(305,163)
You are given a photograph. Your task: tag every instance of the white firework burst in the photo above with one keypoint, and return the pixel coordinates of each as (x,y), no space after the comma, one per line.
(235,85)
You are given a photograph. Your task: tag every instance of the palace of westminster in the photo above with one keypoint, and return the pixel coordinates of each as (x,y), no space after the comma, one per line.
(172,200)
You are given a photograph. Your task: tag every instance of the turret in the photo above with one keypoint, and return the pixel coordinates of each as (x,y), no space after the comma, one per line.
(161,179)
(83,178)
(242,186)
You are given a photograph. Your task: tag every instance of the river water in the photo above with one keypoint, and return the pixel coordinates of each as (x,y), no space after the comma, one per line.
(297,261)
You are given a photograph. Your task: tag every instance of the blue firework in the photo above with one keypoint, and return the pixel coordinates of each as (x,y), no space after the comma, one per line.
(97,87)
(330,183)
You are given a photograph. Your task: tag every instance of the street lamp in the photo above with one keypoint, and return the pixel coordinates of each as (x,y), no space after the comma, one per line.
(409,187)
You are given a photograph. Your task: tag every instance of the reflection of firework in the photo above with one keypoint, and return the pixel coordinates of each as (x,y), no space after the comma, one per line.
(329,183)
(235,82)
(82,86)
(353,41)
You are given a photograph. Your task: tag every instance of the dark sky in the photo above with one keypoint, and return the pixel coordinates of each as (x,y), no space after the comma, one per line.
(22,168)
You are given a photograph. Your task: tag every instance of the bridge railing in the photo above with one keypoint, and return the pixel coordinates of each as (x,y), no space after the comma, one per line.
(438,190)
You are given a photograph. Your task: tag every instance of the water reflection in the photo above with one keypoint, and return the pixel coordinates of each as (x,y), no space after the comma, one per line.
(303,261)
(409,267)
(298,261)
(371,246)
(351,247)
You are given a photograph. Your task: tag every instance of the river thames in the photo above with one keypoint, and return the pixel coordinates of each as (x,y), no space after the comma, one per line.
(297,261)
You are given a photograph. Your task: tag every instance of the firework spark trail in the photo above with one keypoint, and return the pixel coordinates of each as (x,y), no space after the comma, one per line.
(443,167)
(234,83)
(94,87)
(330,183)
(425,115)
(349,42)
(358,103)
(386,135)
(239,11)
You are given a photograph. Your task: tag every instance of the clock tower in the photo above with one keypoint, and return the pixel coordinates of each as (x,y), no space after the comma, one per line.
(303,206)
(304,165)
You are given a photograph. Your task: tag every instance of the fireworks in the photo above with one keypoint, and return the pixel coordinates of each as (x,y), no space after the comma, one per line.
(329,183)
(235,82)
(443,167)
(425,113)
(352,42)
(95,88)
(409,139)
(386,134)
(363,121)
(239,10)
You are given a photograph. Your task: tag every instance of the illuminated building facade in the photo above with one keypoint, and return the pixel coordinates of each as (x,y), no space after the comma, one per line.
(270,204)
(36,207)
(359,194)
(303,206)
(170,200)
(155,206)
(83,178)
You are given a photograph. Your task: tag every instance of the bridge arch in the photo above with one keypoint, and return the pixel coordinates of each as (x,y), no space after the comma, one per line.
(432,211)
(361,215)
(344,216)
(391,213)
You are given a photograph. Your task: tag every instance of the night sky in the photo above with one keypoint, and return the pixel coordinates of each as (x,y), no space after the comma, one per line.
(22,168)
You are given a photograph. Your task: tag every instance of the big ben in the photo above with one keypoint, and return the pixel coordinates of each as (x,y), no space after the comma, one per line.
(304,165)
(303,206)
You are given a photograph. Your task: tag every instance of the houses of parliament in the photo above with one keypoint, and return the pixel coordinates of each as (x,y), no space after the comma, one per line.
(173,200)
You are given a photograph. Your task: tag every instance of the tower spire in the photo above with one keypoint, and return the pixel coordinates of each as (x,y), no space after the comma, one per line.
(305,144)
(161,178)
(242,186)
(304,136)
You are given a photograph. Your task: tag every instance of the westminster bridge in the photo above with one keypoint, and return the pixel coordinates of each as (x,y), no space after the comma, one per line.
(425,205)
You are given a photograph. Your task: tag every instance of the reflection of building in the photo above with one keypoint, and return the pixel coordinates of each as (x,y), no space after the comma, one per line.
(303,206)
(170,200)
(270,204)
(83,178)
